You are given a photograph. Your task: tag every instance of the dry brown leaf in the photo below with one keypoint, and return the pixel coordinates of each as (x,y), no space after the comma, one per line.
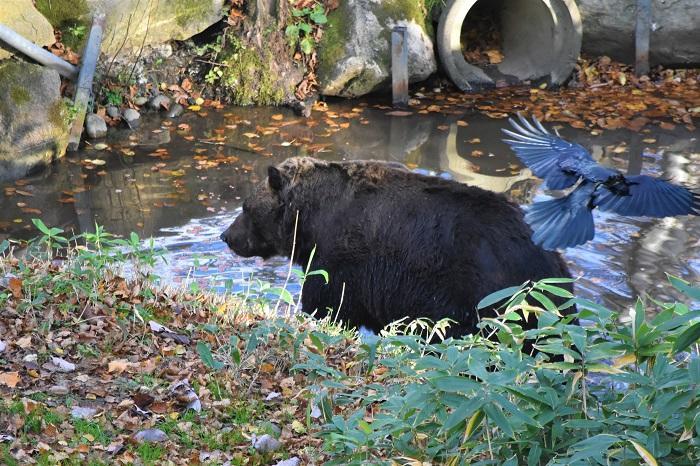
(9,379)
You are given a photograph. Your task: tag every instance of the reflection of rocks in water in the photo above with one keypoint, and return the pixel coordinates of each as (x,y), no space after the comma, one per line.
(669,243)
(393,138)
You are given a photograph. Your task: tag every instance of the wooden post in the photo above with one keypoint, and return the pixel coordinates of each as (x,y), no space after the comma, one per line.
(87,72)
(399,66)
(642,35)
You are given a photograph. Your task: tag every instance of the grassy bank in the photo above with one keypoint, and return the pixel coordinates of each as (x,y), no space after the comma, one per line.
(89,375)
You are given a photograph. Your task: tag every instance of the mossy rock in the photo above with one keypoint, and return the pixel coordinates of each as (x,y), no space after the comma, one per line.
(33,118)
(355,51)
(248,78)
(23,18)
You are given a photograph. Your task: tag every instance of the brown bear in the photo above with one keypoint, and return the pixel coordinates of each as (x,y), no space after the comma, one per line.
(394,243)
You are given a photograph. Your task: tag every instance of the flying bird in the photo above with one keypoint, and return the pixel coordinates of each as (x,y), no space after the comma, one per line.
(568,221)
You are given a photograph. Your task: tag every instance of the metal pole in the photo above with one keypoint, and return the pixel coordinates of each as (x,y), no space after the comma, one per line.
(642,35)
(87,72)
(399,66)
(33,51)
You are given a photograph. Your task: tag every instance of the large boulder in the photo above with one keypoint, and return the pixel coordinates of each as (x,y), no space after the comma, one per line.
(354,56)
(608,29)
(133,24)
(23,18)
(33,118)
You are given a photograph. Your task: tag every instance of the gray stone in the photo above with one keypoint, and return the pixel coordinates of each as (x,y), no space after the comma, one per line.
(33,118)
(95,126)
(24,19)
(265,443)
(159,102)
(132,118)
(140,100)
(608,29)
(113,112)
(175,111)
(355,50)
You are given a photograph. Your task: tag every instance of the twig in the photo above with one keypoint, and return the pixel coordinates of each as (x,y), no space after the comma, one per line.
(291,262)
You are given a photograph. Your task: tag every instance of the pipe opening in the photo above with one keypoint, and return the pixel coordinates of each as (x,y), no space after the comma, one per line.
(485,43)
(509,40)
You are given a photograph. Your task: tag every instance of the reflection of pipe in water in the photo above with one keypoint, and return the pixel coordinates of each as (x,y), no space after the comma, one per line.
(467,172)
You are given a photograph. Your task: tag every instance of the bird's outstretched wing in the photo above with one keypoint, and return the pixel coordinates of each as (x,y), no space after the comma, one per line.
(544,153)
(649,197)
(563,222)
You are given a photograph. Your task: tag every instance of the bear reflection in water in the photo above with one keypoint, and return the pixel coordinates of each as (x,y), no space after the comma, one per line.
(394,243)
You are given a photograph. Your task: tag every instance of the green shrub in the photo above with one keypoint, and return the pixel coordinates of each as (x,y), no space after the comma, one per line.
(622,392)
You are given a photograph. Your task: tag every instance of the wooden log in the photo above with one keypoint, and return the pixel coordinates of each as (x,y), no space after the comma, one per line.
(642,36)
(87,72)
(399,66)
(33,51)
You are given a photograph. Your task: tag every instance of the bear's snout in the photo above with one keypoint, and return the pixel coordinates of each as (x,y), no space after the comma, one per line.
(241,237)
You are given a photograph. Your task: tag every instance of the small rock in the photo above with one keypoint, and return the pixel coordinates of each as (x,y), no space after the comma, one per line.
(293,461)
(132,118)
(59,390)
(150,435)
(95,126)
(139,101)
(175,111)
(272,396)
(159,102)
(82,413)
(113,112)
(265,443)
(3,345)
(62,364)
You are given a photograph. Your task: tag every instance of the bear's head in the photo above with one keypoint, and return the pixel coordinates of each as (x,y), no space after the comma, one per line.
(264,227)
(258,230)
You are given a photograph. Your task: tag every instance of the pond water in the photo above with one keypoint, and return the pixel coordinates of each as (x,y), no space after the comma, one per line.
(183,182)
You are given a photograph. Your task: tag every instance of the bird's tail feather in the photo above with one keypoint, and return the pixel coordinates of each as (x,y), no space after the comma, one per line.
(559,223)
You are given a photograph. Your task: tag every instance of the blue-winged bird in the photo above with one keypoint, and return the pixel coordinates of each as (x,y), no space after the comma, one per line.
(568,221)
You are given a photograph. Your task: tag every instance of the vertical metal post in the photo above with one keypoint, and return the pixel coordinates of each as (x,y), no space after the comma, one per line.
(83,89)
(399,66)
(641,39)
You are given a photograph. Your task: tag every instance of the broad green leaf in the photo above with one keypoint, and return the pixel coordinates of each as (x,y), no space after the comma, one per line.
(234,351)
(544,300)
(466,409)
(684,287)
(322,273)
(283,294)
(498,296)
(555,290)
(494,414)
(557,280)
(687,338)
(455,384)
(204,351)
(41,226)
(307,45)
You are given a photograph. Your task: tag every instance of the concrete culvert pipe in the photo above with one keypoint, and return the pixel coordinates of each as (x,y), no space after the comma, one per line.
(539,40)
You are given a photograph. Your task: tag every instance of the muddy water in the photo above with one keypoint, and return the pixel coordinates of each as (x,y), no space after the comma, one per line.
(183,183)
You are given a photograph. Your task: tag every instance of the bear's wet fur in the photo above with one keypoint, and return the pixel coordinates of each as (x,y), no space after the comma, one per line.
(394,243)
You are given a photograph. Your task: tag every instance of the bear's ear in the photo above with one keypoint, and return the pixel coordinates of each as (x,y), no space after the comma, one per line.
(275,178)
